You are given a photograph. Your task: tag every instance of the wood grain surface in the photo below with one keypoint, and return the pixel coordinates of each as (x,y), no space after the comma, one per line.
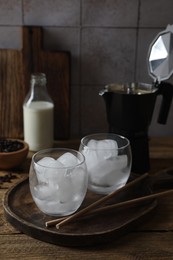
(136,245)
(16,67)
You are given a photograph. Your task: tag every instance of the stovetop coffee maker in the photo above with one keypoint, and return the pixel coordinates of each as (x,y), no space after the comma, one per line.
(130,106)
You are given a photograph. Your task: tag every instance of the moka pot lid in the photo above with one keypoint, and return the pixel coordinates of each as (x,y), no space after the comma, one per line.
(160,55)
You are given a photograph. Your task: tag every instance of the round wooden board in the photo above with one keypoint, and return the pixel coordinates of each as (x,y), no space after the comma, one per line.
(21,211)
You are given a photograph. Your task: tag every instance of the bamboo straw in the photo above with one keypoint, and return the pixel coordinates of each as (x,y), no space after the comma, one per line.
(54,221)
(133,202)
(96,203)
(125,204)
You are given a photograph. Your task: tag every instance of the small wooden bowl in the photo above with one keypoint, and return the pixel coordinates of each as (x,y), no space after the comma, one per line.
(9,160)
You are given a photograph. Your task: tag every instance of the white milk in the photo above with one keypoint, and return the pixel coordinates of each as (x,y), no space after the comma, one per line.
(38,125)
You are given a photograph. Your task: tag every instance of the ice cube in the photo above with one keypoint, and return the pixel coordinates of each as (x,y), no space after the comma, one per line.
(97,151)
(102,144)
(92,144)
(58,179)
(105,149)
(79,179)
(107,144)
(68,160)
(55,207)
(39,166)
(108,172)
(48,169)
(90,157)
(46,161)
(56,188)
(46,191)
(66,191)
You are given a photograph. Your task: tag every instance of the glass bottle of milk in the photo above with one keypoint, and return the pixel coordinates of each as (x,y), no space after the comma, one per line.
(38,109)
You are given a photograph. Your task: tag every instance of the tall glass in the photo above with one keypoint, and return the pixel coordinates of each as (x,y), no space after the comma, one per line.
(108,159)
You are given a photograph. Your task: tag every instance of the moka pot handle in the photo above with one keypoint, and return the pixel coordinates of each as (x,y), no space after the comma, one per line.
(166,90)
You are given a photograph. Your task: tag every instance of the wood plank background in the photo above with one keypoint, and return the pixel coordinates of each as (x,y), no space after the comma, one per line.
(16,67)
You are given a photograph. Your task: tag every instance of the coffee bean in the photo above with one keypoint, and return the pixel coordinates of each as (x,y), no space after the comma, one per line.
(7,146)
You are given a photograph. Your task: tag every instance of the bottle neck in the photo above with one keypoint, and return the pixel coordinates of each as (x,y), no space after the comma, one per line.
(38,79)
(38,89)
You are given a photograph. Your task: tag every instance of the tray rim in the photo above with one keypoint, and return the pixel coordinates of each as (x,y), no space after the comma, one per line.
(21,223)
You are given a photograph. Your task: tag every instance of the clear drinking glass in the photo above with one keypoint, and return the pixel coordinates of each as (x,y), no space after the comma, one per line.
(58,180)
(108,159)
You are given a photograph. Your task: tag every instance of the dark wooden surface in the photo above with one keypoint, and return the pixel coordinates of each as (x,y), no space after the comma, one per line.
(16,67)
(151,240)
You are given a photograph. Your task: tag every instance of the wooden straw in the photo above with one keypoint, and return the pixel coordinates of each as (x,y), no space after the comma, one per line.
(125,204)
(54,221)
(133,202)
(96,203)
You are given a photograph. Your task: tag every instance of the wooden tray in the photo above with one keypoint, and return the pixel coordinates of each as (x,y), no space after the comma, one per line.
(21,211)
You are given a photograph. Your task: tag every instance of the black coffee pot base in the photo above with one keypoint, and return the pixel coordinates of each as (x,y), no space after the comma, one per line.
(140,150)
(140,155)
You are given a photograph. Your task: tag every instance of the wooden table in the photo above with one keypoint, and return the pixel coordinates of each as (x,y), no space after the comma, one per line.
(152,240)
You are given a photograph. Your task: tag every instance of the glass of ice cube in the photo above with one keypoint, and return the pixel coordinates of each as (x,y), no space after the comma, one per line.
(58,180)
(108,158)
